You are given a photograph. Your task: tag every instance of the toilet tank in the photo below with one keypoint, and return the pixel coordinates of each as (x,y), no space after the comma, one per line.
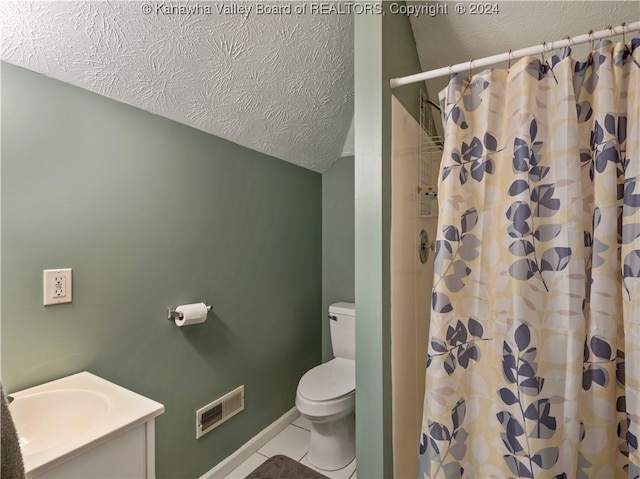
(343,330)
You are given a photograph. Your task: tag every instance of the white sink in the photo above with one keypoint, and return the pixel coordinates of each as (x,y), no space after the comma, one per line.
(48,419)
(62,418)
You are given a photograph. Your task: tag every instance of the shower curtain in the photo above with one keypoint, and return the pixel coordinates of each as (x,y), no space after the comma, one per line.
(533,366)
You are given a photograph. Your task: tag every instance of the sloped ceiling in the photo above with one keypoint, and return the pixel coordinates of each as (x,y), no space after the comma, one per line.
(281,84)
(455,38)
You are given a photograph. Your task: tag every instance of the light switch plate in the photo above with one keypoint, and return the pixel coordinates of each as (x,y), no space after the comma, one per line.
(57,286)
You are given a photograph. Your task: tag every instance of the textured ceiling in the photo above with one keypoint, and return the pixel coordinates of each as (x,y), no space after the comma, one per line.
(281,84)
(448,39)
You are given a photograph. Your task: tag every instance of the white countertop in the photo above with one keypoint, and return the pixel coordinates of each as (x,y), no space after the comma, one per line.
(61,419)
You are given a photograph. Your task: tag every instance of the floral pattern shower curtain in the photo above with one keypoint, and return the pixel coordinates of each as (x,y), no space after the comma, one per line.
(533,367)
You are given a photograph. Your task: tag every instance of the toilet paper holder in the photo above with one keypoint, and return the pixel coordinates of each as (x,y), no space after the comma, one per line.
(172,314)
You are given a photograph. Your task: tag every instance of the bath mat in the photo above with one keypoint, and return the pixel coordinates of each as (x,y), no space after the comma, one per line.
(283,467)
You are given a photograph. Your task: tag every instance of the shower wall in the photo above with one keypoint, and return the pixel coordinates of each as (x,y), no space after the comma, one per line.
(411,283)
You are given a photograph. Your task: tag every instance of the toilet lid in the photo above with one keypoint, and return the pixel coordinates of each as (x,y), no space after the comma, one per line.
(330,380)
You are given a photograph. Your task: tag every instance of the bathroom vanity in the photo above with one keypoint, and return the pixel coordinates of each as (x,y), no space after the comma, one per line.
(83,426)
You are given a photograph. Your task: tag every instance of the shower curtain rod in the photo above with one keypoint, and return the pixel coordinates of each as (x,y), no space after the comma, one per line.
(502,57)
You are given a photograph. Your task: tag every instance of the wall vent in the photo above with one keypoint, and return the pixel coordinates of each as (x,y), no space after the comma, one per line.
(218,411)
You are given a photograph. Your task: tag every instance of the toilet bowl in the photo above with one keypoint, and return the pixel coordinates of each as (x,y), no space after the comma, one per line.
(326,396)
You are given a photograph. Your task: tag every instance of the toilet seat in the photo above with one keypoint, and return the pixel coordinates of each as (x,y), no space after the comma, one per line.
(329,381)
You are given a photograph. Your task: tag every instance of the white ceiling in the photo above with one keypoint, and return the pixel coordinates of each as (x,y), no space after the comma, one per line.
(449,39)
(279,84)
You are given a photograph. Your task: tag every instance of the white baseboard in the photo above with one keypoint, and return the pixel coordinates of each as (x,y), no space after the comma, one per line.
(225,467)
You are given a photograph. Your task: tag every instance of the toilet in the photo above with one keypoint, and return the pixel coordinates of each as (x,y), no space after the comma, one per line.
(326,395)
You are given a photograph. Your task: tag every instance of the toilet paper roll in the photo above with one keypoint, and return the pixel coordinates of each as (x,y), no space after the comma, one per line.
(191,314)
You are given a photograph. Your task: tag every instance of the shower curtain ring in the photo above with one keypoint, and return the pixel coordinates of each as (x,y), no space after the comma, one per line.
(510,58)
(570,39)
(544,47)
(470,67)
(610,28)
(624,41)
(450,70)
(590,33)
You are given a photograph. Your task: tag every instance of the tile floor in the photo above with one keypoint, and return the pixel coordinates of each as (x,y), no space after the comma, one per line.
(293,442)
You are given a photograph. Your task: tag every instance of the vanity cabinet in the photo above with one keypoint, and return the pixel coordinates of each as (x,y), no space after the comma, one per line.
(129,455)
(85,427)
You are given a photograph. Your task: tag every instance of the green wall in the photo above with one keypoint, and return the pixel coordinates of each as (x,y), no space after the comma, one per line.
(399,58)
(373,380)
(150,213)
(338,279)
(384,48)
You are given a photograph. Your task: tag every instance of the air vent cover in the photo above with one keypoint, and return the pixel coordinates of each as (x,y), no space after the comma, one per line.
(218,411)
